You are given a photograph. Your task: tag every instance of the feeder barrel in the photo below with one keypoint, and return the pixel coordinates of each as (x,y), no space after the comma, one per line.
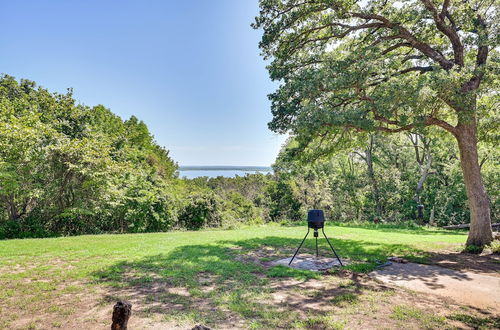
(315,219)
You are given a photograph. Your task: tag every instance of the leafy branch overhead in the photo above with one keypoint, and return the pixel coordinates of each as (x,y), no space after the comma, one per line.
(408,63)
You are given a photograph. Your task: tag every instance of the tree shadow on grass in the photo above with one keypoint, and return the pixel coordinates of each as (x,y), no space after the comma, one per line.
(354,250)
(192,283)
(227,283)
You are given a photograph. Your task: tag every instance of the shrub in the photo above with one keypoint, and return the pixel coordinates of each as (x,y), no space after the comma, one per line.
(201,210)
(495,246)
(473,249)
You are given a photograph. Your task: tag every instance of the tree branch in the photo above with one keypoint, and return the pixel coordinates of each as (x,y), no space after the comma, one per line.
(410,38)
(458,48)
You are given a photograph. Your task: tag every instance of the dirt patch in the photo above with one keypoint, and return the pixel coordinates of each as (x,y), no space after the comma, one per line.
(358,301)
(344,299)
(487,263)
(308,262)
(468,288)
(263,257)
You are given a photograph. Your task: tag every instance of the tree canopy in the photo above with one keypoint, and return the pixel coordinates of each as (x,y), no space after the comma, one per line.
(386,66)
(341,62)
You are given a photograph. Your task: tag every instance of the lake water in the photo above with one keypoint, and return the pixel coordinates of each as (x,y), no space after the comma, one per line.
(191,174)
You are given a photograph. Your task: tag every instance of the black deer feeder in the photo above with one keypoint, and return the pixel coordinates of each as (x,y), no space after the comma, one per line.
(316,220)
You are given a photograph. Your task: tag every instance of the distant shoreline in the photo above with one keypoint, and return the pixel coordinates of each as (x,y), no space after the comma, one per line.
(225,168)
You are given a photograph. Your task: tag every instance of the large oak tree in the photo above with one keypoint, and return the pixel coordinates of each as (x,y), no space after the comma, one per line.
(389,66)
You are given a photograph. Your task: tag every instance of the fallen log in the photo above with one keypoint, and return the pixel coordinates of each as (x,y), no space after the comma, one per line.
(467,225)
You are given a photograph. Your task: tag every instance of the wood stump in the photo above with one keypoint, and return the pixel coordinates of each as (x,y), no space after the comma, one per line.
(121,313)
(200,327)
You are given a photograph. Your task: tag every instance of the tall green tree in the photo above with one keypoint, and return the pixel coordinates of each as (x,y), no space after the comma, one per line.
(388,66)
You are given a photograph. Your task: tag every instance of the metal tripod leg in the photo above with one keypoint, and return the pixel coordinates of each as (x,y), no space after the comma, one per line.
(323,230)
(317,254)
(299,247)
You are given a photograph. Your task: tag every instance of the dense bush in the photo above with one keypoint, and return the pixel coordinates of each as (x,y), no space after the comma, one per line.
(201,210)
(70,169)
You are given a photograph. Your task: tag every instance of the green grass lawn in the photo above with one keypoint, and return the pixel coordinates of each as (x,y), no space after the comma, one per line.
(211,266)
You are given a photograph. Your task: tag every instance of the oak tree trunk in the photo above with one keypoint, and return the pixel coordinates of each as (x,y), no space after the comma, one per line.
(480,233)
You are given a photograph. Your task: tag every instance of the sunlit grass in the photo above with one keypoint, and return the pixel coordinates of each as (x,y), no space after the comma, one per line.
(38,273)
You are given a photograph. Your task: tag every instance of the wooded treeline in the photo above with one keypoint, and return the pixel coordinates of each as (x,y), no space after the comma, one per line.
(68,169)
(376,177)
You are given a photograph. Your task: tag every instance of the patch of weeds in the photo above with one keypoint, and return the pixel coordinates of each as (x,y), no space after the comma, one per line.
(314,293)
(250,306)
(361,267)
(427,321)
(388,293)
(283,271)
(170,298)
(246,308)
(345,299)
(6,293)
(72,289)
(56,324)
(321,322)
(54,309)
(255,325)
(477,322)
(31,325)
(198,293)
(347,284)
(190,314)
(473,249)
(495,246)
(43,286)
(403,313)
(266,259)
(419,259)
(61,310)
(142,280)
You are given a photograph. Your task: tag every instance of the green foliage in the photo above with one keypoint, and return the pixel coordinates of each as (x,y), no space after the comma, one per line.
(68,169)
(473,249)
(240,199)
(202,210)
(477,322)
(495,246)
(338,182)
(384,46)
(71,169)
(283,202)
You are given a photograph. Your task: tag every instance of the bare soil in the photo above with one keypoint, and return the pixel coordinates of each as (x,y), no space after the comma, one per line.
(486,263)
(351,300)
(465,287)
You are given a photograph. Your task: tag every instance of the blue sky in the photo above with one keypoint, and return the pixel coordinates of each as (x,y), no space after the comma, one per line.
(189,68)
